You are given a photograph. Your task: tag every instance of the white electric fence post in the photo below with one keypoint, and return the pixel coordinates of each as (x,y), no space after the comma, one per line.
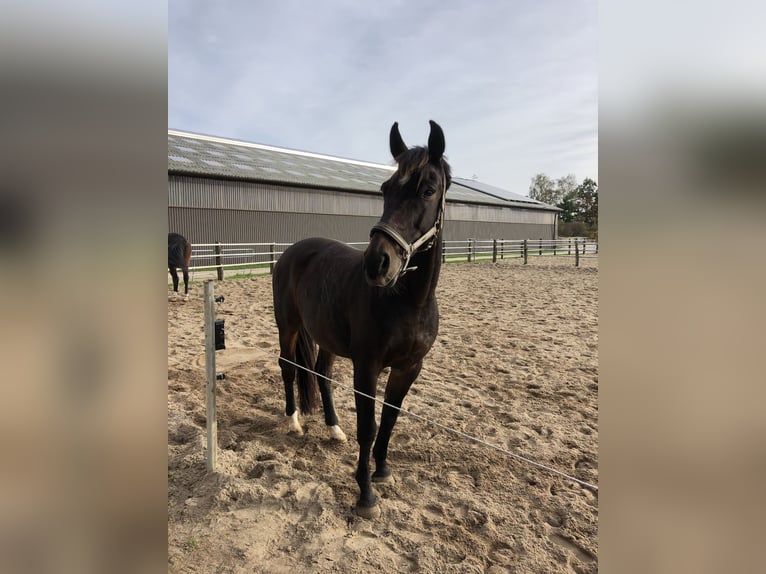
(212,424)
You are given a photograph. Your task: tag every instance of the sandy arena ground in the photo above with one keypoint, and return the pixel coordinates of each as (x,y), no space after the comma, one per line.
(515,364)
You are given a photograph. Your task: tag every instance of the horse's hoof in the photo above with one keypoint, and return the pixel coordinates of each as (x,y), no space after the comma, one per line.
(368,512)
(385,479)
(294,427)
(337,434)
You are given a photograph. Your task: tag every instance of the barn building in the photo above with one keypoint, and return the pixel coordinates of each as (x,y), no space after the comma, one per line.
(239,192)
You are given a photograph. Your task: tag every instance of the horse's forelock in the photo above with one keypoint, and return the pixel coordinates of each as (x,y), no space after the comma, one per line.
(413,161)
(410,162)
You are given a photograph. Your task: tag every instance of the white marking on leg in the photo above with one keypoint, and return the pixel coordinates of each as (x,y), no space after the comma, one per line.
(337,434)
(294,425)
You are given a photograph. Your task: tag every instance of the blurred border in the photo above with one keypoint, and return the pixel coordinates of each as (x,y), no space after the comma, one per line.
(83,212)
(683,174)
(83,207)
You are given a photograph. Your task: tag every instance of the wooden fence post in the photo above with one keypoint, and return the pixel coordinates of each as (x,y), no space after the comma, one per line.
(494,251)
(577,254)
(219,270)
(444,251)
(502,248)
(272,255)
(212,424)
(541,246)
(470,249)
(554,248)
(525,252)
(569,250)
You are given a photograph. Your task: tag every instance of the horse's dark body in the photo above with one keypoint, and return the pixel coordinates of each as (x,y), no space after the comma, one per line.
(179,255)
(359,305)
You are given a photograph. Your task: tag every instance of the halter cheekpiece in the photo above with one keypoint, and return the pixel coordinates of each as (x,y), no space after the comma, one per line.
(424,243)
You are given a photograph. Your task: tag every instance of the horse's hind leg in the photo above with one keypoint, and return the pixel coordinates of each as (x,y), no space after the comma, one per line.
(187,262)
(399,382)
(287,342)
(174,275)
(325,360)
(185,271)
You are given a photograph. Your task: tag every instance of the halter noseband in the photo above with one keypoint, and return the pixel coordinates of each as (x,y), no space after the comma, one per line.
(409,249)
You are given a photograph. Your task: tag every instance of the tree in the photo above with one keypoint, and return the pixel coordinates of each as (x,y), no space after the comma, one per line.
(586,200)
(579,215)
(568,205)
(566,186)
(543,189)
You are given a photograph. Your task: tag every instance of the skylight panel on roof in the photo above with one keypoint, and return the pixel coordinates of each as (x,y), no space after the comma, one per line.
(180,158)
(216,153)
(243,166)
(213,162)
(185,148)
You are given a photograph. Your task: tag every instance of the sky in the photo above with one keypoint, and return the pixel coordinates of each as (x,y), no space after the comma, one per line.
(513,84)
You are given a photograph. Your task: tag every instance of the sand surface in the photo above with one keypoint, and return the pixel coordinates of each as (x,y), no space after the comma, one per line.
(515,364)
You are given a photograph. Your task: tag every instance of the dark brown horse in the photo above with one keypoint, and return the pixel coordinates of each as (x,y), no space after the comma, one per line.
(179,255)
(378,307)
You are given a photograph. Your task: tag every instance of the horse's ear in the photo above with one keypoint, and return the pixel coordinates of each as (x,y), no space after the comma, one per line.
(395,141)
(435,142)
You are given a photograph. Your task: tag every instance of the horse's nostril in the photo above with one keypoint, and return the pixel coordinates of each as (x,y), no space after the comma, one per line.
(383,266)
(375,265)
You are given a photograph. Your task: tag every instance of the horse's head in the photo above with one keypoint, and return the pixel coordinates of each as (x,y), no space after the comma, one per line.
(413,208)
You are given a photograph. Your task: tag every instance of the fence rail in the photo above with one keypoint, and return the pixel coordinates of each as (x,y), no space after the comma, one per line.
(261,257)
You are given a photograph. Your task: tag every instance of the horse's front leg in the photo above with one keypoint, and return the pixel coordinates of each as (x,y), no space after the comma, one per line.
(399,382)
(365,379)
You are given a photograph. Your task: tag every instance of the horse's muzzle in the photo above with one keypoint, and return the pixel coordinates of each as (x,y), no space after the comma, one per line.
(381,262)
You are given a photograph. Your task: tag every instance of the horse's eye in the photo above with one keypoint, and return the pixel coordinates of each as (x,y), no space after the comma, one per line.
(427,191)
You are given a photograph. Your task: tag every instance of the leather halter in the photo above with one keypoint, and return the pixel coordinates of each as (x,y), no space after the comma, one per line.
(409,249)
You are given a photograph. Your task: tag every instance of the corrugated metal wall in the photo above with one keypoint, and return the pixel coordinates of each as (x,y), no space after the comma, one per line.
(233,226)
(207,210)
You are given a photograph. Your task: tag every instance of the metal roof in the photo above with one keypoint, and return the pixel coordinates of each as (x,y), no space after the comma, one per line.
(496,191)
(209,156)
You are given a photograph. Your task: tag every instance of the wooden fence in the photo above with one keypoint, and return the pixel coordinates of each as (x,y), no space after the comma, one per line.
(217,258)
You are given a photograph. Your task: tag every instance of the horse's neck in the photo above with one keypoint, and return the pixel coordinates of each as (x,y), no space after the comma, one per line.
(421,283)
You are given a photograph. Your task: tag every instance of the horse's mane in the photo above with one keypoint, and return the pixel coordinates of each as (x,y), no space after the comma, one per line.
(414,160)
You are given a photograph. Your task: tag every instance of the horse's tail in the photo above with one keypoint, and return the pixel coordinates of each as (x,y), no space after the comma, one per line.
(187,253)
(305,356)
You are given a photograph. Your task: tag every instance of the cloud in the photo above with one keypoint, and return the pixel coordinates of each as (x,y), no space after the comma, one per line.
(513,84)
